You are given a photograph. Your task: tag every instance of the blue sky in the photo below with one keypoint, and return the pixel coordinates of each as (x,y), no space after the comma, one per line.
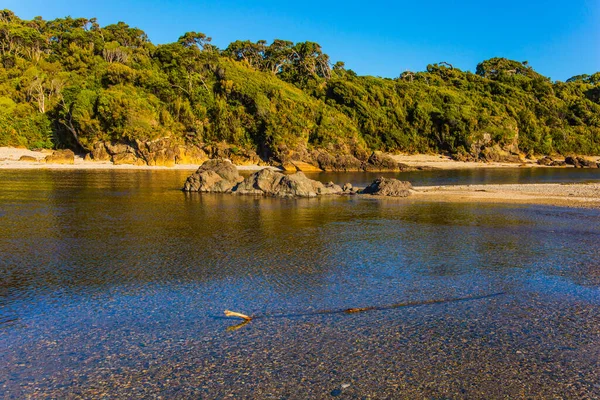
(558,38)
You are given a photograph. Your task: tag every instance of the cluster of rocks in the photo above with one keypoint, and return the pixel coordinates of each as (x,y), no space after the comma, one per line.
(337,159)
(166,152)
(221,176)
(56,157)
(577,162)
(550,162)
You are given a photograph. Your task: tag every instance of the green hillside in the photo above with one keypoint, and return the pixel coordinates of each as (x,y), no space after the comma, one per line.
(71,83)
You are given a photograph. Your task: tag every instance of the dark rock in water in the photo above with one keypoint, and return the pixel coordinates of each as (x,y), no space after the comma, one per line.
(388,187)
(267,182)
(218,176)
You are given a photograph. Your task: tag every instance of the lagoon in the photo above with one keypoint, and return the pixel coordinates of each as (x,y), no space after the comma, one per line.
(115,282)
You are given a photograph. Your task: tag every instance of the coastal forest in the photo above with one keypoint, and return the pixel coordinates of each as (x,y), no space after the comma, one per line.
(70,83)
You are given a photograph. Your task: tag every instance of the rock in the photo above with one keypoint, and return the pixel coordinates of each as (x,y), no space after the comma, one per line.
(497,154)
(580,162)
(28,159)
(545,161)
(342,162)
(118,148)
(347,187)
(267,182)
(218,176)
(126,159)
(61,157)
(572,160)
(557,163)
(238,156)
(190,155)
(99,152)
(379,161)
(388,187)
(288,167)
(305,167)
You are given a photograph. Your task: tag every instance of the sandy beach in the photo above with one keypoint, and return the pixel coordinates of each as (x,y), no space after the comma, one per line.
(439,161)
(585,195)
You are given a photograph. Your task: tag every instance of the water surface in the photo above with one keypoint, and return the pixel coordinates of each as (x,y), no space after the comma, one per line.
(115,282)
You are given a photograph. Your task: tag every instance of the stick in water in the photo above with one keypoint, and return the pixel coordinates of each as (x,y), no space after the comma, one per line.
(238,315)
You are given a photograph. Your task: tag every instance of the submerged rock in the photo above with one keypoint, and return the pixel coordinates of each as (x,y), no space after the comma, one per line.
(388,187)
(217,176)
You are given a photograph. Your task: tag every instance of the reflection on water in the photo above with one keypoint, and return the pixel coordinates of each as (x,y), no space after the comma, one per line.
(107,274)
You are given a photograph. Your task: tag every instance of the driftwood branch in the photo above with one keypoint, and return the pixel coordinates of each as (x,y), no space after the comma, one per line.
(237,315)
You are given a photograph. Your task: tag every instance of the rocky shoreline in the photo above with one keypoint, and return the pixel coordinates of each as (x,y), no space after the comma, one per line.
(164,154)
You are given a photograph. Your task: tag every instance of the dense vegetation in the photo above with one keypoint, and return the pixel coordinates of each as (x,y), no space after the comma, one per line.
(71,83)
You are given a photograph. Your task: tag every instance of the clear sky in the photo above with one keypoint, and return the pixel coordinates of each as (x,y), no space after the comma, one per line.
(558,38)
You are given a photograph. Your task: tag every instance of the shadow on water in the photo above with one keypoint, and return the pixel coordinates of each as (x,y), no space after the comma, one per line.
(359,310)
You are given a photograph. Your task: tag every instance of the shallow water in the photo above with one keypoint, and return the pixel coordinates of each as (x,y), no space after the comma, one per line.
(115,282)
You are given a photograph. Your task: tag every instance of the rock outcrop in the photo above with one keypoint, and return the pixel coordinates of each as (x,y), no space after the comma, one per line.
(217,176)
(220,176)
(388,187)
(268,182)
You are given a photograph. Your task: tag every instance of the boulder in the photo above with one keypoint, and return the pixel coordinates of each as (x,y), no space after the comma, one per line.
(268,182)
(28,159)
(126,159)
(341,162)
(388,187)
(580,162)
(379,161)
(118,148)
(61,157)
(547,161)
(99,152)
(288,167)
(305,167)
(217,176)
